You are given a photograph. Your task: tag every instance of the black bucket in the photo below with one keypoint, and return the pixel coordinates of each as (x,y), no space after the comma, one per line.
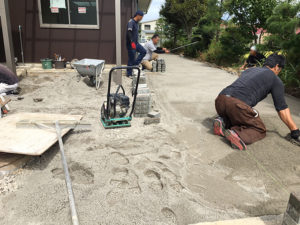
(60,64)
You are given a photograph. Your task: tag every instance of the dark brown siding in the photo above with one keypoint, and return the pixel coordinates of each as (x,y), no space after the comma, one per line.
(2,55)
(71,43)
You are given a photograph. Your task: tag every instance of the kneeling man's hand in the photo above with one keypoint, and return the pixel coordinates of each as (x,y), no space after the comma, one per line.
(166,50)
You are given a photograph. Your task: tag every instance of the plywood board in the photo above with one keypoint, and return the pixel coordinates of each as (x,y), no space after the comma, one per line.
(29,141)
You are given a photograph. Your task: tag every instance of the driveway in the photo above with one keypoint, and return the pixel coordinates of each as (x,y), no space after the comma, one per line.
(257,181)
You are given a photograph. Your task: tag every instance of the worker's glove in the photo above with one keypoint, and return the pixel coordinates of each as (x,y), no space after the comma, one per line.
(133,45)
(295,134)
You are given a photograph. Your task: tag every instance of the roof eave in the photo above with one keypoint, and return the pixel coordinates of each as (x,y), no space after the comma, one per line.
(144,5)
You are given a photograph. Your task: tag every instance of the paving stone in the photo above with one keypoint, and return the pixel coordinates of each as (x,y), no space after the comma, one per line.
(142,103)
(140,115)
(154,66)
(154,114)
(143,80)
(149,121)
(143,106)
(135,73)
(287,220)
(143,91)
(292,215)
(143,97)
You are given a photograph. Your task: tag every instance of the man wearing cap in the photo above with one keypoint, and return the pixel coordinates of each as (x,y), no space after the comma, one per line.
(132,44)
(152,51)
(254,59)
(238,122)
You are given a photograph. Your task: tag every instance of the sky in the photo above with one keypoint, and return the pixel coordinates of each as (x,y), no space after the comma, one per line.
(154,9)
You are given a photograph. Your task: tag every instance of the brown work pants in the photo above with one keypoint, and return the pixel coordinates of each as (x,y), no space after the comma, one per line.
(148,64)
(241,118)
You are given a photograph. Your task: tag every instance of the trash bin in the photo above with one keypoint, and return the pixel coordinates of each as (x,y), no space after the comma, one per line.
(46,63)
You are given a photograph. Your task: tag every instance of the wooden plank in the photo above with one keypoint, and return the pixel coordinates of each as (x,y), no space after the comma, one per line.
(29,141)
(11,162)
(247,221)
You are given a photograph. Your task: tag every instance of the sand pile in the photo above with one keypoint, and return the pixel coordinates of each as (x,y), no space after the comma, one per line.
(121,176)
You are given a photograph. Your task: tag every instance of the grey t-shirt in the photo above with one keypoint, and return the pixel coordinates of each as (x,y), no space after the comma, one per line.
(150,48)
(255,84)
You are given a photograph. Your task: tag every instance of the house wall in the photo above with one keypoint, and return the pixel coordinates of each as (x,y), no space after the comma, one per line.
(151,23)
(70,43)
(146,35)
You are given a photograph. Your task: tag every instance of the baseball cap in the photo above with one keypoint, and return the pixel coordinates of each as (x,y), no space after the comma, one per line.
(253,48)
(139,12)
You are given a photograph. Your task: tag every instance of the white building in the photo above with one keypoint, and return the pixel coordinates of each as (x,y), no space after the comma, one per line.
(147,29)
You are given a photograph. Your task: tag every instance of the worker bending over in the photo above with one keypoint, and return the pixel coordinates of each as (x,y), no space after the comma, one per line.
(132,44)
(152,51)
(8,81)
(239,123)
(254,59)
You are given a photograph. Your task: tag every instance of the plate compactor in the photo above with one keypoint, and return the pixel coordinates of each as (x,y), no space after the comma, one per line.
(115,109)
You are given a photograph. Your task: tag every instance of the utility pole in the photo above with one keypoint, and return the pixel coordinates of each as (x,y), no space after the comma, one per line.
(7,35)
(118,74)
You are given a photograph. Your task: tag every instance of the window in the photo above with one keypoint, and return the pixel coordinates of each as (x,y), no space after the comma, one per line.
(147,27)
(81,14)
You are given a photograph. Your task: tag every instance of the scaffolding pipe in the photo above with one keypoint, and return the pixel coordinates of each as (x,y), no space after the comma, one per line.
(74,215)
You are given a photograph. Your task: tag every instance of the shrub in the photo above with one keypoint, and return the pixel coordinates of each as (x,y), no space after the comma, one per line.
(282,25)
(229,50)
(191,51)
(290,77)
(214,53)
(168,44)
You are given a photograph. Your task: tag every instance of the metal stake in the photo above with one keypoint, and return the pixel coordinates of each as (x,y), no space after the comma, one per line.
(21,44)
(74,215)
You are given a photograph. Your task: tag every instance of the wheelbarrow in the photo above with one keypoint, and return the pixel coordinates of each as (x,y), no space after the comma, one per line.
(93,68)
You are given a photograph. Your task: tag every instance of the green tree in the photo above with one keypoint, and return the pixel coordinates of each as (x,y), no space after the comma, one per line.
(209,25)
(167,31)
(184,14)
(250,15)
(213,17)
(171,25)
(231,46)
(282,26)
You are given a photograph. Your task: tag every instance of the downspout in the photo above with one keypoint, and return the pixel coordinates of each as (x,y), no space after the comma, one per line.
(118,74)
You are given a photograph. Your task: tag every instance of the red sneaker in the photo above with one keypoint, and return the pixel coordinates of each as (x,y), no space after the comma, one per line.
(219,128)
(235,140)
